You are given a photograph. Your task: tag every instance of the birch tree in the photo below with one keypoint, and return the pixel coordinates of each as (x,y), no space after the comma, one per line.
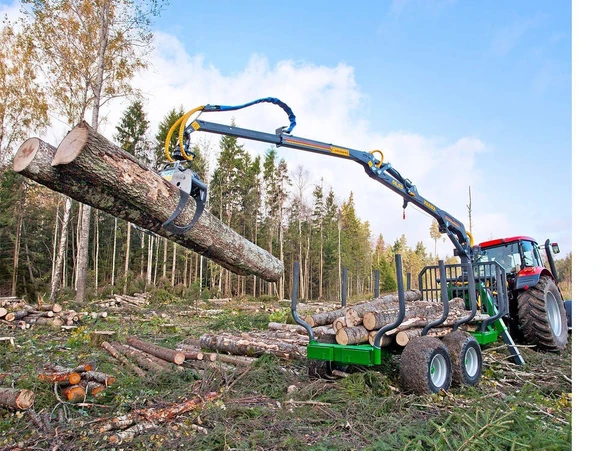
(89,51)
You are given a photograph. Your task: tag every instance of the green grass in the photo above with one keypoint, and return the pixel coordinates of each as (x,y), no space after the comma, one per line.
(273,405)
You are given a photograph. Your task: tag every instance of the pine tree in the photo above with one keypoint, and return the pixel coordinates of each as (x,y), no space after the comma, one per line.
(132,131)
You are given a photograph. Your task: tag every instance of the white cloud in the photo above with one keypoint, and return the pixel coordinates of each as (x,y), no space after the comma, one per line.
(328,104)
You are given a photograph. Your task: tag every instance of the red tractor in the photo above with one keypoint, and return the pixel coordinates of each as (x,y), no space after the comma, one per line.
(538,315)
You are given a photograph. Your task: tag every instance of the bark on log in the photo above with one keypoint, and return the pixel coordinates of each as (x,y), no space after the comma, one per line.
(16,399)
(241,346)
(374,319)
(141,358)
(61,378)
(170,355)
(99,376)
(113,352)
(154,414)
(115,182)
(386,340)
(352,335)
(403,337)
(324,318)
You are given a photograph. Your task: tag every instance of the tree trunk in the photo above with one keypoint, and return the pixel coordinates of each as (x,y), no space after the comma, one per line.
(114,256)
(119,185)
(127,250)
(173,264)
(82,254)
(13,291)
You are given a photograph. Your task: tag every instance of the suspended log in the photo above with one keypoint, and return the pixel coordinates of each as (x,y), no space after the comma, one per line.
(89,168)
(16,399)
(170,355)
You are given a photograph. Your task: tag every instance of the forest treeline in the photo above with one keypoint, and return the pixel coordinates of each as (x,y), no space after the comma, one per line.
(286,212)
(52,246)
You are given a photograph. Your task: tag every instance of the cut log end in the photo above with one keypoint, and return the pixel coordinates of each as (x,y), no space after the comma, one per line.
(71,146)
(26,154)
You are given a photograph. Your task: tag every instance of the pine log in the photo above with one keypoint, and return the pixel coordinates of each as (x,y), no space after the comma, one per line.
(403,337)
(225,343)
(74,393)
(16,399)
(170,355)
(352,335)
(324,318)
(141,358)
(53,322)
(89,168)
(386,340)
(113,352)
(99,376)
(54,308)
(93,388)
(339,323)
(60,378)
(3,312)
(374,319)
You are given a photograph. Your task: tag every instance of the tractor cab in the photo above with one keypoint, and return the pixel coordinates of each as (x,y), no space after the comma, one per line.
(515,254)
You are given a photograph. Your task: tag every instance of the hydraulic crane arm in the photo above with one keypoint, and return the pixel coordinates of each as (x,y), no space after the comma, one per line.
(372,162)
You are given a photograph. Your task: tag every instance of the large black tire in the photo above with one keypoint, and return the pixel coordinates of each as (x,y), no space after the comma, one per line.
(465,354)
(542,316)
(425,366)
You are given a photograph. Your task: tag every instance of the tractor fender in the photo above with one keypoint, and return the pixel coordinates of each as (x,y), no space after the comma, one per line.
(529,277)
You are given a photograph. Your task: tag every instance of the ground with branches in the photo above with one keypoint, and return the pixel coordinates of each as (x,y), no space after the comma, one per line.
(271,404)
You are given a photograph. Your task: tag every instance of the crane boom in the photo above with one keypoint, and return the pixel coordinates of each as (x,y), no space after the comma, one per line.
(372,162)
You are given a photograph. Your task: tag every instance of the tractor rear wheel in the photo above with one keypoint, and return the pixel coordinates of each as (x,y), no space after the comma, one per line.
(465,354)
(425,366)
(320,369)
(542,316)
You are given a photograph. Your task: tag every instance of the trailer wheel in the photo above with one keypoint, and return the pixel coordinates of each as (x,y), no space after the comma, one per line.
(542,316)
(425,366)
(465,354)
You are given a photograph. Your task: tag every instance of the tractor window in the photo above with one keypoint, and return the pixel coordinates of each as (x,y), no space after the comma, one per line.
(530,256)
(506,255)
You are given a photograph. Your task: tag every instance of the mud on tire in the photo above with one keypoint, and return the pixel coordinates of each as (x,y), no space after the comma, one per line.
(465,354)
(425,366)
(542,316)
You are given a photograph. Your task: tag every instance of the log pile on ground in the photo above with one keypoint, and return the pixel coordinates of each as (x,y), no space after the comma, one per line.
(20,315)
(122,301)
(361,322)
(78,383)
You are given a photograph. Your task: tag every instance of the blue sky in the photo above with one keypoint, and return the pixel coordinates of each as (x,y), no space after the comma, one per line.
(457,94)
(496,71)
